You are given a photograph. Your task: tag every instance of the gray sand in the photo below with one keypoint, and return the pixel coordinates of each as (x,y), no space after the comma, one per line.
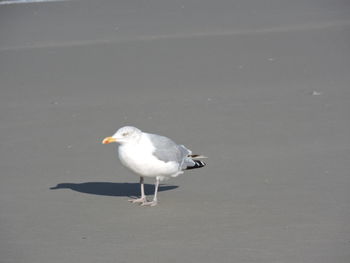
(261,88)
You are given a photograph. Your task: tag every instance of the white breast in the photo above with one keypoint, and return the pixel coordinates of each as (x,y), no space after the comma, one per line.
(138,157)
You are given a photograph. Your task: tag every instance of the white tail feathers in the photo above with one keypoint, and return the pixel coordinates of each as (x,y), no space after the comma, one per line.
(198,156)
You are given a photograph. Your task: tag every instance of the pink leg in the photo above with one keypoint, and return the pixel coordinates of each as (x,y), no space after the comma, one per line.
(142,199)
(154,201)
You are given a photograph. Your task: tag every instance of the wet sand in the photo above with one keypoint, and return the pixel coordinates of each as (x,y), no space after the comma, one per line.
(262,89)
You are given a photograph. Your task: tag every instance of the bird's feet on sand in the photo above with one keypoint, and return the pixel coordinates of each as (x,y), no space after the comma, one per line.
(143,202)
(140,200)
(152,203)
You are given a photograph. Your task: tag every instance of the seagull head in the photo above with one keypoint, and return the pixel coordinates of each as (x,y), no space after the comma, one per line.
(124,135)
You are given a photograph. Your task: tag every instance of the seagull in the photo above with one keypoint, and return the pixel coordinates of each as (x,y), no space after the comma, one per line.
(152,155)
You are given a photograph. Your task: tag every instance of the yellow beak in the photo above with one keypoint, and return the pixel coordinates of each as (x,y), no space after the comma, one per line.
(108,140)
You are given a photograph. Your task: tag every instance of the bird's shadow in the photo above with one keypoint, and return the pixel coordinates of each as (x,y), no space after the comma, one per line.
(112,189)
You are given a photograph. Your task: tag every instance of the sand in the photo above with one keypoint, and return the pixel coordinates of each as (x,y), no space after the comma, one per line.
(261,88)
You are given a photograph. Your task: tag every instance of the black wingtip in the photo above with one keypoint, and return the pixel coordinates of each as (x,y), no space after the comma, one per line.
(198,164)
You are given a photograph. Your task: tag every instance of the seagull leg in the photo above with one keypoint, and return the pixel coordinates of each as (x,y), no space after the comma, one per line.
(154,201)
(142,199)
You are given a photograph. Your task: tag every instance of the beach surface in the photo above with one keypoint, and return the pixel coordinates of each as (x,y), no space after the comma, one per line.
(261,88)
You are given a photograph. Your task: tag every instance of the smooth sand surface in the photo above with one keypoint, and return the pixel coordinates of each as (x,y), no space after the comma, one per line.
(261,88)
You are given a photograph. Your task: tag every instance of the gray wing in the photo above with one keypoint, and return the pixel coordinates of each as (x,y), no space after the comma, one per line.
(167,150)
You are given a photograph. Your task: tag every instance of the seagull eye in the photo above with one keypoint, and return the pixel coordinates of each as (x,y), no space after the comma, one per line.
(125,134)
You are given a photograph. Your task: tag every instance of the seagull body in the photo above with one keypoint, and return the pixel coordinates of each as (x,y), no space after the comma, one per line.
(140,158)
(152,155)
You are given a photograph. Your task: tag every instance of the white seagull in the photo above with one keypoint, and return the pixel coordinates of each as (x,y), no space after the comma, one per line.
(152,155)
